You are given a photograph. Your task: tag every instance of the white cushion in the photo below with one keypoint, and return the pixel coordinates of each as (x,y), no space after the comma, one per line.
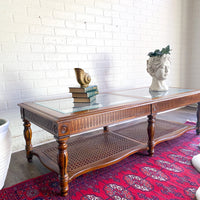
(198,194)
(196,162)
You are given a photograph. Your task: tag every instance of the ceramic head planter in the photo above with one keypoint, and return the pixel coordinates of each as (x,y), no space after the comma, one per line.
(158,66)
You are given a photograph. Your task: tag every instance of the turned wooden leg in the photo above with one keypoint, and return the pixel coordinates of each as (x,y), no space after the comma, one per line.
(198,119)
(151,132)
(28,137)
(105,129)
(62,162)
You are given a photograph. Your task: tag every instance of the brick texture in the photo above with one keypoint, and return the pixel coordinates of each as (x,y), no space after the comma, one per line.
(41,41)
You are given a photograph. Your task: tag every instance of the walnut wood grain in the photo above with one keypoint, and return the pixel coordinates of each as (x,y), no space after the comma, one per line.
(62,163)
(164,130)
(101,118)
(96,149)
(62,126)
(89,152)
(28,137)
(45,123)
(174,102)
(105,128)
(151,132)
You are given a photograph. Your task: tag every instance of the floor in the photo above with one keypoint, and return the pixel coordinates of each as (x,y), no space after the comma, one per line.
(20,170)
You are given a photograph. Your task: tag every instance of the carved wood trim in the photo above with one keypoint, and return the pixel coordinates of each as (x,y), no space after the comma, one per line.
(102,119)
(151,133)
(47,124)
(62,163)
(174,103)
(28,137)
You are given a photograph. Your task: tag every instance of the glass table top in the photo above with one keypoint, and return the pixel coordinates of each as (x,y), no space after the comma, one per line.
(144,92)
(66,106)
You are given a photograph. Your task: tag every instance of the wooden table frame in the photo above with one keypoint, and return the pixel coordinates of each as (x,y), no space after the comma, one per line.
(62,126)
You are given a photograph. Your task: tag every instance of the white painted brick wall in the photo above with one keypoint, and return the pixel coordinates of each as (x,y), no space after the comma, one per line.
(41,41)
(190,75)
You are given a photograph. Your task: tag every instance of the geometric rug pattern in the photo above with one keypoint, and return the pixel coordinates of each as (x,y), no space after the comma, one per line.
(167,175)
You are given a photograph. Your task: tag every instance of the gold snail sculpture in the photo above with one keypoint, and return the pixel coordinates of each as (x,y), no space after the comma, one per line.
(82,77)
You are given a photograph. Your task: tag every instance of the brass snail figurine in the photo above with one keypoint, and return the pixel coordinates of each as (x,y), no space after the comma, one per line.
(82,77)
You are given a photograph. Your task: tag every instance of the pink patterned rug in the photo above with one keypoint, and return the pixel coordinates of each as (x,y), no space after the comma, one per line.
(167,175)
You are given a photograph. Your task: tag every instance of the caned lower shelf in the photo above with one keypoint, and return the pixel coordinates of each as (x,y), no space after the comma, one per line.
(98,149)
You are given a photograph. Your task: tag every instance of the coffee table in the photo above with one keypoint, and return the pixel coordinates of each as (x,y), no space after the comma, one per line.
(80,147)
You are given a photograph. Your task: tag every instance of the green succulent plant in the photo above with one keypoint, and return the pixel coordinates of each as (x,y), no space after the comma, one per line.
(157,52)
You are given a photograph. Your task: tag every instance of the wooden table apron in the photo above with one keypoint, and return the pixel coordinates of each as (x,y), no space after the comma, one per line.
(64,126)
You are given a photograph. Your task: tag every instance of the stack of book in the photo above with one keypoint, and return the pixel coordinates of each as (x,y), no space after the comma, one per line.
(84,95)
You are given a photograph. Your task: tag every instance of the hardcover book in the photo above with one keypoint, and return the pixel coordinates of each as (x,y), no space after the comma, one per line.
(85,94)
(84,100)
(82,90)
(85,106)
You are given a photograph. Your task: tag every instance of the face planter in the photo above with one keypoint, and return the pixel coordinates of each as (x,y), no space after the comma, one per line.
(159,67)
